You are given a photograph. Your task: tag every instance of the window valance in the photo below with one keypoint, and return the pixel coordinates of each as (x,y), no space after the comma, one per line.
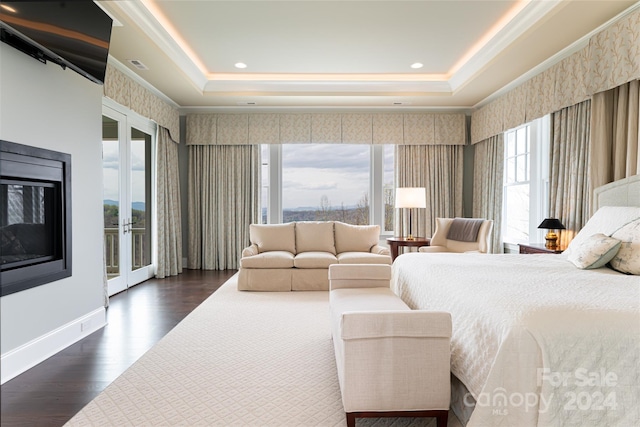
(611,58)
(125,91)
(326,128)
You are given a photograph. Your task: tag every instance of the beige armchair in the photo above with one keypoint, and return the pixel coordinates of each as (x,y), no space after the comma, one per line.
(461,235)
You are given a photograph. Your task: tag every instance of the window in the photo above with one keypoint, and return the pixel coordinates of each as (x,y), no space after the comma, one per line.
(322,182)
(525,181)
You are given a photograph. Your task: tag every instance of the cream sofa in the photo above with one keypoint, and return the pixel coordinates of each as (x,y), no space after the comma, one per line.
(391,360)
(296,256)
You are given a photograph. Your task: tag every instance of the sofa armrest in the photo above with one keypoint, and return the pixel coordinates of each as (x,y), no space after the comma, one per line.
(395,324)
(250,251)
(359,276)
(380,250)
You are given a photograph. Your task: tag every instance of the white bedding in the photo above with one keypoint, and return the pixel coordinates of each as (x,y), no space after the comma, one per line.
(537,332)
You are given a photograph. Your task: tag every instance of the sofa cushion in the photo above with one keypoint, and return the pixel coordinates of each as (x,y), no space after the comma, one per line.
(273,237)
(314,260)
(315,236)
(362,258)
(271,259)
(355,238)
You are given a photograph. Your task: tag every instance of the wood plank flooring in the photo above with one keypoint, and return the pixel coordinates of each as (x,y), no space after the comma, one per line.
(52,392)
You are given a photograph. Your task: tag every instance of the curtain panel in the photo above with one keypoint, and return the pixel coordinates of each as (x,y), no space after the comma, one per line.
(224,199)
(327,128)
(569,189)
(488,185)
(168,202)
(614,134)
(437,168)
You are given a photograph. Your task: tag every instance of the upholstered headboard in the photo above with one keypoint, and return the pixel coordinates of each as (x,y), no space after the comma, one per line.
(624,192)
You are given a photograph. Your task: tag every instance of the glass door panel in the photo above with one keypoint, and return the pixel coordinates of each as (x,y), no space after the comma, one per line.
(140,199)
(113,217)
(127,149)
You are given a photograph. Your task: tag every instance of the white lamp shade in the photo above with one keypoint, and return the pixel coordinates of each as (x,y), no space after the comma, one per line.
(411,197)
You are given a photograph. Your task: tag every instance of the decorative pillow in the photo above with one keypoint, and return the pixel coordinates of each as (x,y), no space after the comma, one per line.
(594,252)
(627,260)
(606,220)
(356,238)
(314,236)
(273,237)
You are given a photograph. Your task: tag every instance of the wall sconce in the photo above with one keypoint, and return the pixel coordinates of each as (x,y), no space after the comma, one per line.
(409,198)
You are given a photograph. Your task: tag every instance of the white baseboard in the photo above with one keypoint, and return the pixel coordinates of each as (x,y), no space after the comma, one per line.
(25,357)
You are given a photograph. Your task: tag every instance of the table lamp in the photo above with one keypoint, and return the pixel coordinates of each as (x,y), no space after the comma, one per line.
(551,237)
(409,198)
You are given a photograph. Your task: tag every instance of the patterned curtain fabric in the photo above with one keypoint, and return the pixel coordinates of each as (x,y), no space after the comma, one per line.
(488,184)
(569,189)
(614,134)
(168,199)
(439,169)
(224,195)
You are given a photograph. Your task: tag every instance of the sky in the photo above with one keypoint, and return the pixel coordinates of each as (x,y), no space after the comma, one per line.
(339,171)
(110,167)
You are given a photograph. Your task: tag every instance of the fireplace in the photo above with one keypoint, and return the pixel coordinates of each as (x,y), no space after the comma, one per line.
(35,216)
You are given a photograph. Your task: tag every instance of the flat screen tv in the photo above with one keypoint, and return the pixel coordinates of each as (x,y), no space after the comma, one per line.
(71,33)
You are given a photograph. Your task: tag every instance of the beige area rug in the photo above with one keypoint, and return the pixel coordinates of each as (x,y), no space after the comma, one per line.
(239,359)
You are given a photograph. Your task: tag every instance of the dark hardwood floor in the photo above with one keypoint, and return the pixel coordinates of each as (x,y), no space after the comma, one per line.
(52,392)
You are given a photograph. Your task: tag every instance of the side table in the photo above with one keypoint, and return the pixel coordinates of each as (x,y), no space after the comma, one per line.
(537,248)
(396,242)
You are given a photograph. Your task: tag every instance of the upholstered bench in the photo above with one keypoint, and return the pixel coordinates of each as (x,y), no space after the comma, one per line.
(392,361)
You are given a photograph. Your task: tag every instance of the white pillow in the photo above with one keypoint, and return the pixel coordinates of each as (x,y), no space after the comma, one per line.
(627,260)
(606,220)
(594,252)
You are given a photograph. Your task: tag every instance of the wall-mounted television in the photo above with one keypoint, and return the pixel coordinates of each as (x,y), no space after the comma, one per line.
(71,33)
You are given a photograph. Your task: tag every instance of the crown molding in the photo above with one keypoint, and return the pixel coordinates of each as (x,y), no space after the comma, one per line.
(522,22)
(145,19)
(565,53)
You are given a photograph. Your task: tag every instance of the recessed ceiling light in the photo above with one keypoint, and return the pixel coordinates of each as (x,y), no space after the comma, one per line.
(416,65)
(241,65)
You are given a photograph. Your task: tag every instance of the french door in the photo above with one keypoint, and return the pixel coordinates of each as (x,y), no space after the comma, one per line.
(128,145)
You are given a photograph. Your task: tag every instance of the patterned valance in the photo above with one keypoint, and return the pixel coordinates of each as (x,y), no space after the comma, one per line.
(125,91)
(326,128)
(611,59)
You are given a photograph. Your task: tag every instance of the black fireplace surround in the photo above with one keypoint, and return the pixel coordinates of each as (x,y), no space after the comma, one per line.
(35,216)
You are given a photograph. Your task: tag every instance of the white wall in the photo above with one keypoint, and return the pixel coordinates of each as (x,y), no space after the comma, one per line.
(48,107)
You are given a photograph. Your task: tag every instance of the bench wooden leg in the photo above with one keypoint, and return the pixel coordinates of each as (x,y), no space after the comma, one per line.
(442,416)
(351,419)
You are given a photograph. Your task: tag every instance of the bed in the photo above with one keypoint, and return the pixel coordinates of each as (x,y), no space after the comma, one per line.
(536,340)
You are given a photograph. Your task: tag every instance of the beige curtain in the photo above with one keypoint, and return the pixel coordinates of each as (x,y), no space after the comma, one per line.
(488,184)
(568,168)
(168,199)
(439,169)
(614,134)
(224,190)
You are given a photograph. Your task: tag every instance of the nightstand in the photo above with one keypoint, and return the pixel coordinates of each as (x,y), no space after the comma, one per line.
(537,248)
(396,242)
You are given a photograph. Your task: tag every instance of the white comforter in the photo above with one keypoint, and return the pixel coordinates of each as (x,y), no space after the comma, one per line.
(535,340)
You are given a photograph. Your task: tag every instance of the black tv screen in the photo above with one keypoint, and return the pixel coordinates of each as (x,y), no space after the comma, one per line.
(72,33)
